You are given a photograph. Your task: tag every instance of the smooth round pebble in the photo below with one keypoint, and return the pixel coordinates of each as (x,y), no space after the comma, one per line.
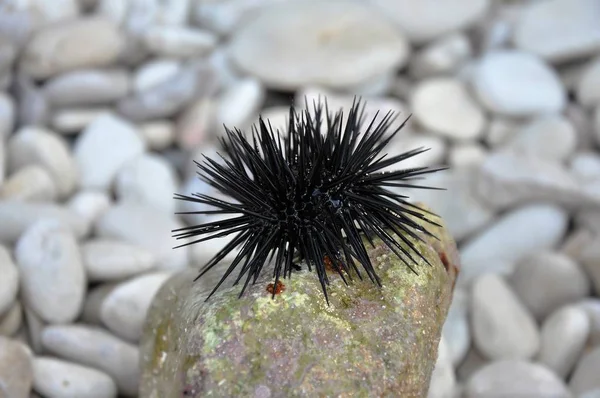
(564,334)
(197,123)
(9,283)
(588,87)
(31,183)
(7,115)
(61,379)
(442,56)
(466,155)
(456,327)
(585,166)
(98,349)
(515,83)
(443,378)
(89,204)
(333,43)
(158,134)
(109,260)
(16,373)
(53,280)
(589,258)
(124,309)
(585,376)
(515,378)
(545,281)
(239,103)
(154,73)
(178,41)
(444,106)
(11,321)
(35,145)
(591,306)
(502,326)
(74,120)
(93,303)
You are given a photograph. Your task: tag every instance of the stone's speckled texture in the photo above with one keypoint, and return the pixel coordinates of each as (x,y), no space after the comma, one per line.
(374,341)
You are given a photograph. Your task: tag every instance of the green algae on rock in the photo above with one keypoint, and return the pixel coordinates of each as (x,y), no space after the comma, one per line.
(369,341)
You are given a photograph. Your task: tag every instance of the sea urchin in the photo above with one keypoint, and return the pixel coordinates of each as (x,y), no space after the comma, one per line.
(313,192)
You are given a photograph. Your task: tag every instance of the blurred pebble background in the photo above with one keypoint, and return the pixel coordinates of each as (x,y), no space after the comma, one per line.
(104,105)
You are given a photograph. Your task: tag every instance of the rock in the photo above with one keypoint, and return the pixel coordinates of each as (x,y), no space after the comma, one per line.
(109,260)
(545,281)
(507,179)
(142,225)
(158,134)
(179,41)
(33,107)
(98,349)
(595,393)
(428,20)
(57,378)
(35,145)
(502,326)
(515,378)
(8,53)
(11,321)
(597,123)
(9,284)
(17,216)
(138,14)
(549,137)
(197,123)
(215,329)
(88,87)
(83,43)
(591,306)
(543,29)
(585,375)
(33,332)
(583,124)
(498,82)
(7,115)
(318,45)
(239,103)
(154,73)
(589,258)
(73,121)
(466,155)
(89,205)
(103,148)
(443,379)
(223,17)
(93,303)
(518,233)
(42,14)
(456,329)
(444,105)
(473,361)
(124,309)
(585,166)
(501,130)
(133,185)
(16,374)
(434,156)
(2,162)
(589,83)
(564,334)
(443,56)
(53,280)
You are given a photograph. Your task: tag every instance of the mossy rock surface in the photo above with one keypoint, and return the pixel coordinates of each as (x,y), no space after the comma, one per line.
(369,341)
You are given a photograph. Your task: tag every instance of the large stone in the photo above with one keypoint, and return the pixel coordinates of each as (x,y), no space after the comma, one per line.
(295,344)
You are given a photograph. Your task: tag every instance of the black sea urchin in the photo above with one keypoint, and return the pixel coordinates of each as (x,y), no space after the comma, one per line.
(313,192)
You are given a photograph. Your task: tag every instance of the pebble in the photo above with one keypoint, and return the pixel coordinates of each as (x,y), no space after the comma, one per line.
(66,47)
(466,155)
(33,331)
(2,162)
(9,283)
(559,30)
(519,232)
(89,205)
(240,103)
(61,379)
(109,260)
(443,105)
(443,56)
(16,373)
(197,123)
(564,334)
(43,13)
(53,279)
(73,121)
(595,393)
(33,107)
(154,73)
(589,258)
(472,362)
(124,309)
(224,17)
(88,87)
(515,378)
(427,20)
(144,226)
(103,148)
(334,44)
(179,41)
(11,321)
(443,379)
(549,137)
(158,134)
(133,184)
(95,348)
(93,303)
(141,13)
(597,123)
(582,121)
(17,216)
(36,145)
(436,145)
(7,115)
(585,375)
(8,54)
(500,131)
(498,82)
(502,326)
(456,327)
(588,87)
(591,306)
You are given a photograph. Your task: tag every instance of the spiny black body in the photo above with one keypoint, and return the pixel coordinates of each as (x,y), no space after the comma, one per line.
(310,194)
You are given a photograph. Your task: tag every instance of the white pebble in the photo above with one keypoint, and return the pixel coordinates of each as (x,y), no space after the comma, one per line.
(89,205)
(154,73)
(588,87)
(30,183)
(179,41)
(586,166)
(7,115)
(442,56)
(585,376)
(9,283)
(61,379)
(443,379)
(98,349)
(456,327)
(124,309)
(35,145)
(158,134)
(564,334)
(93,303)
(108,260)
(197,123)
(515,83)
(11,321)
(16,374)
(591,306)
(502,326)
(103,148)
(238,105)
(53,279)
(73,121)
(466,155)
